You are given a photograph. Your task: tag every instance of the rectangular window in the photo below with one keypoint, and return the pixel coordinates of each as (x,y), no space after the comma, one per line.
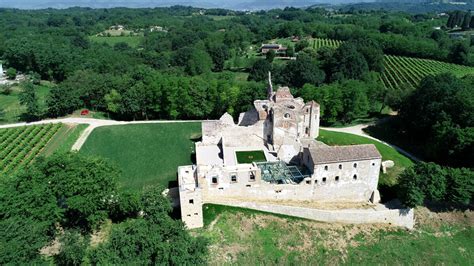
(252,176)
(191,201)
(214,180)
(233,178)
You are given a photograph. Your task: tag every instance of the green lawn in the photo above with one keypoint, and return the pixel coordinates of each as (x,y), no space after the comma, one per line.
(132,41)
(147,153)
(388,153)
(243,237)
(250,156)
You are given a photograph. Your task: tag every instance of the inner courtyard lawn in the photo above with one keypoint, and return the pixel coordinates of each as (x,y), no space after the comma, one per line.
(250,156)
(147,154)
(388,153)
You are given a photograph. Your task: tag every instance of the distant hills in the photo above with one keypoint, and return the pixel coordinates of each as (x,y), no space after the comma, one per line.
(228,4)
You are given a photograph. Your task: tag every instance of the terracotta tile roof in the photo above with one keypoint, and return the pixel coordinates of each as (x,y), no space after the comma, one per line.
(334,154)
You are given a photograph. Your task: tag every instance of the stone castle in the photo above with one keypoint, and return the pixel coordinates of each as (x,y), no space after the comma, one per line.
(271,155)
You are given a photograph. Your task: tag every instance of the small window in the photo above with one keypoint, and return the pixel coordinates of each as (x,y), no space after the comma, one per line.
(337,178)
(324,180)
(233,178)
(315,181)
(189,215)
(355,165)
(287,115)
(252,176)
(248,185)
(191,201)
(308,182)
(373,164)
(355,177)
(307,130)
(196,213)
(214,180)
(326,168)
(340,166)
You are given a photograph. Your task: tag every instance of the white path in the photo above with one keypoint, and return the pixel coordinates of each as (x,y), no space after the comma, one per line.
(93,124)
(358,130)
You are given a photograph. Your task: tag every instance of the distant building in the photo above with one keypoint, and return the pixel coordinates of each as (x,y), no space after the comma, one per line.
(157,29)
(278,48)
(117,27)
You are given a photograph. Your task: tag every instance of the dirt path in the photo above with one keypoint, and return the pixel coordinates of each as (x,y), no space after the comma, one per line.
(358,130)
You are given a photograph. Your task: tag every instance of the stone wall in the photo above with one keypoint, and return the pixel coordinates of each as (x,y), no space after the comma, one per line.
(378,215)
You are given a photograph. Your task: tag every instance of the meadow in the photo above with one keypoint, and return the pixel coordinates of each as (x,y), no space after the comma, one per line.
(147,154)
(132,41)
(388,153)
(242,237)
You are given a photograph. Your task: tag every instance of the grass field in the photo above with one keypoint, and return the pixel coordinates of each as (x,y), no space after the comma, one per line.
(401,71)
(11,104)
(147,153)
(243,237)
(132,41)
(250,156)
(388,153)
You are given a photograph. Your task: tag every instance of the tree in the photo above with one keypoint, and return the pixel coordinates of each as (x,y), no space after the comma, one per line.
(259,70)
(72,249)
(459,53)
(348,63)
(466,21)
(460,186)
(11,73)
(113,101)
(153,239)
(270,56)
(29,99)
(219,53)
(303,70)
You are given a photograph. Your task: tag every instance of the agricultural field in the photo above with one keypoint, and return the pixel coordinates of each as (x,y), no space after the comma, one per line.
(132,41)
(243,236)
(20,145)
(401,71)
(388,153)
(11,104)
(145,153)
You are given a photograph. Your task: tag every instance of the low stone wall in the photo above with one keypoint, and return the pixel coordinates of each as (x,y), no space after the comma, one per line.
(378,215)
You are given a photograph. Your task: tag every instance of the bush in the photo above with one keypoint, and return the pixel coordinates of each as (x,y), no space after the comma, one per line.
(11,73)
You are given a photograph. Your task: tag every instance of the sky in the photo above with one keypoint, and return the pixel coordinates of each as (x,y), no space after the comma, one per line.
(231,4)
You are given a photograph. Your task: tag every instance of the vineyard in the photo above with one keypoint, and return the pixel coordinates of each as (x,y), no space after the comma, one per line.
(402,72)
(20,145)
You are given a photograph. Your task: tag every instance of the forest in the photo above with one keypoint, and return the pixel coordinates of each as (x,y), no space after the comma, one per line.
(188,63)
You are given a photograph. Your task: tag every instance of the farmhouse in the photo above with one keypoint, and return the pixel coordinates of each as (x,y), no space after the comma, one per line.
(271,155)
(278,48)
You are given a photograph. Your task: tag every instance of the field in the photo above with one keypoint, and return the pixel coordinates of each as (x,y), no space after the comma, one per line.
(132,41)
(387,152)
(250,156)
(147,153)
(401,71)
(243,237)
(11,104)
(20,145)
(64,139)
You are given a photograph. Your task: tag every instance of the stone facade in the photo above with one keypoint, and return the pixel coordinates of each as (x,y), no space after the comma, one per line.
(296,167)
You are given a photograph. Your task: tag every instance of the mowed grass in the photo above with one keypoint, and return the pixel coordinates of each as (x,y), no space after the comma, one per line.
(388,153)
(250,156)
(147,154)
(243,237)
(132,41)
